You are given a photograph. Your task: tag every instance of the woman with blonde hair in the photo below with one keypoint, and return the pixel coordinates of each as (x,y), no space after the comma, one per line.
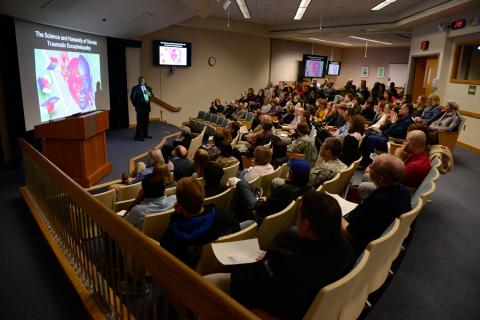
(431,112)
(420,105)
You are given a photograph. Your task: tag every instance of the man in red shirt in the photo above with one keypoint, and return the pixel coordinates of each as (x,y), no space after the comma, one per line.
(417,164)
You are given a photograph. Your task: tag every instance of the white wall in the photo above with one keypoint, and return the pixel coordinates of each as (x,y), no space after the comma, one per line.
(354,59)
(442,43)
(242,62)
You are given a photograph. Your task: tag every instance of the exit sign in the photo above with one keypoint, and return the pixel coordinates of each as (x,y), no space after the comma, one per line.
(458,24)
(424,45)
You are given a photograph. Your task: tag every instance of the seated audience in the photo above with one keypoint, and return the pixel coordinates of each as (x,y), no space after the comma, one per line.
(226,158)
(286,191)
(432,110)
(285,280)
(200,160)
(301,143)
(328,164)
(182,167)
(374,215)
(213,174)
(193,225)
(321,105)
(450,120)
(279,154)
(399,121)
(420,106)
(298,113)
(416,159)
(154,156)
(184,138)
(217,106)
(153,200)
(368,111)
(262,157)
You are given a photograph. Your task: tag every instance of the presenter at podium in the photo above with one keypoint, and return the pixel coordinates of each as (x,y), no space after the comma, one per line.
(140,97)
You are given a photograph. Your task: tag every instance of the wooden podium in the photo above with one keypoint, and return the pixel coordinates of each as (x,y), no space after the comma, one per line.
(77,146)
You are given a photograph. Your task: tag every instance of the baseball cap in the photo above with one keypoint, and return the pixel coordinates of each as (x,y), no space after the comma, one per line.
(299,167)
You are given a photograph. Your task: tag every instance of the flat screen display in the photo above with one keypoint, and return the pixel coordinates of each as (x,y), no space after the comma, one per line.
(314,66)
(172,53)
(334,68)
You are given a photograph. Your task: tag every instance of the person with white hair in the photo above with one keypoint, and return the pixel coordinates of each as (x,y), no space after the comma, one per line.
(450,120)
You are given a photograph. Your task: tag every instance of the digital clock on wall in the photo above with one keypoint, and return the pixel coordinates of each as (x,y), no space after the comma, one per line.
(458,24)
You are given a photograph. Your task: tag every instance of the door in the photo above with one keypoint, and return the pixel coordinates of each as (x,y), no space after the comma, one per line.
(425,70)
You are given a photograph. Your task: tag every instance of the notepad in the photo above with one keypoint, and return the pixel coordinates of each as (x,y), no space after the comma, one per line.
(237,252)
(345,205)
(121,213)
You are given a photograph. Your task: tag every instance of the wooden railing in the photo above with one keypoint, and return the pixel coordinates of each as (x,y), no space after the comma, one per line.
(118,272)
(167,106)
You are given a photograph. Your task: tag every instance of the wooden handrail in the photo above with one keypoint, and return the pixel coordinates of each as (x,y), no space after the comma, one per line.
(131,162)
(201,297)
(167,106)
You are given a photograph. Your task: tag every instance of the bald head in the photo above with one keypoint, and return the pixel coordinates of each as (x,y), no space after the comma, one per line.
(181,151)
(417,141)
(387,170)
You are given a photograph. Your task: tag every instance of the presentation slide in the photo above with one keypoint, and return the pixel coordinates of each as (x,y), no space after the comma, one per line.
(173,56)
(62,72)
(334,68)
(314,68)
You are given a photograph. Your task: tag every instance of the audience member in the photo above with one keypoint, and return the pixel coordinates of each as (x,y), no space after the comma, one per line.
(285,280)
(328,164)
(193,225)
(200,160)
(301,143)
(372,217)
(182,167)
(432,110)
(153,200)
(262,157)
(226,158)
(450,120)
(213,174)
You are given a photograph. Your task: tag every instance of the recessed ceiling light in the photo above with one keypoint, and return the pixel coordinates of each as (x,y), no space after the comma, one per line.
(243,7)
(328,41)
(370,40)
(382,5)
(302,7)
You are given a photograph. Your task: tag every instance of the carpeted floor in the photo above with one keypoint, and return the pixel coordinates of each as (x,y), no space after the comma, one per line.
(438,278)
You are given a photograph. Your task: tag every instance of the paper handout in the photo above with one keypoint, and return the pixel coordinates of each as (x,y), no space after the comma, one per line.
(345,205)
(237,252)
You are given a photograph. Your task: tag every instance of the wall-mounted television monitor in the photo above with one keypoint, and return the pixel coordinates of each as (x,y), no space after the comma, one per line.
(314,66)
(334,68)
(172,53)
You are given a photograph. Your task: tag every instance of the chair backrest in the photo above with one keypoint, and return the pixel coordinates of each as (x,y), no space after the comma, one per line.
(255,183)
(358,295)
(229,172)
(221,200)
(107,198)
(426,188)
(214,118)
(328,184)
(208,116)
(236,139)
(129,191)
(122,205)
(268,145)
(380,261)
(249,116)
(201,115)
(155,224)
(340,186)
(208,263)
(195,144)
(406,221)
(330,301)
(274,226)
(284,169)
(436,162)
(220,120)
(356,163)
(313,133)
(266,181)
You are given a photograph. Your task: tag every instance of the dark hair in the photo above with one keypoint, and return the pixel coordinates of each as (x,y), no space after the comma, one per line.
(357,124)
(303,128)
(218,138)
(322,212)
(279,149)
(226,150)
(410,107)
(334,145)
(213,174)
(190,195)
(153,186)
(267,125)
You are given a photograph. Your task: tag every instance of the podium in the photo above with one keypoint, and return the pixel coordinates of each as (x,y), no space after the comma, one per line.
(77,146)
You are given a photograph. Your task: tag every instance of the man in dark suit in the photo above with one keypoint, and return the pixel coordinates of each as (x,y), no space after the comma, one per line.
(140,97)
